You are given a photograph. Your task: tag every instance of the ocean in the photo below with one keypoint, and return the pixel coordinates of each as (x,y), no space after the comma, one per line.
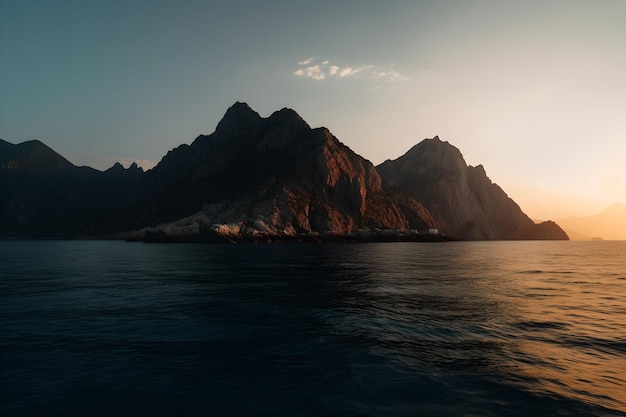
(110,328)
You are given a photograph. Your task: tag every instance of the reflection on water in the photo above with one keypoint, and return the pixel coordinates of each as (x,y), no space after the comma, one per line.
(493,328)
(551,316)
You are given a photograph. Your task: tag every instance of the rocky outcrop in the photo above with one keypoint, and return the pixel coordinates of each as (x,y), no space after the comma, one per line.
(463,200)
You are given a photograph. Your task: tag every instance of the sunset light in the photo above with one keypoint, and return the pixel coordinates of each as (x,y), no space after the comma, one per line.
(534,92)
(326,208)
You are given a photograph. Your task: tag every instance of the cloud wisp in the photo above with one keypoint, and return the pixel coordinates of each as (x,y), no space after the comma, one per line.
(314,71)
(308,68)
(306,61)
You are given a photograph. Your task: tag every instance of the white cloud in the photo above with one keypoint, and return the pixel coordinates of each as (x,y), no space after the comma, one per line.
(324,70)
(344,72)
(315,72)
(351,72)
(306,61)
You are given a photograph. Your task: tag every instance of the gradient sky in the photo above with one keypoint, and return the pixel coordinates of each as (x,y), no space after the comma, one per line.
(533,90)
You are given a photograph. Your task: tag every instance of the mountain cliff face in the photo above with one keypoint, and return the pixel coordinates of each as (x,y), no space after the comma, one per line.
(265,177)
(463,200)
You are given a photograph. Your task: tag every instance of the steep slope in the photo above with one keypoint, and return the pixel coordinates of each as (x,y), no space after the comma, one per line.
(463,200)
(610,224)
(32,155)
(270,176)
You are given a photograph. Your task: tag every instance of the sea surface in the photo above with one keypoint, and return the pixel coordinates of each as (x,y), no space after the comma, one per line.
(108,328)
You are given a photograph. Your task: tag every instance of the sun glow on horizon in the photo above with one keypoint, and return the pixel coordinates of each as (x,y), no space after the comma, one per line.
(534,92)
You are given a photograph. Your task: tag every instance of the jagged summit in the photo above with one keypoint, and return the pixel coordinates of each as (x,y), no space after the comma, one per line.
(238,117)
(241,111)
(287,115)
(243,127)
(240,108)
(118,168)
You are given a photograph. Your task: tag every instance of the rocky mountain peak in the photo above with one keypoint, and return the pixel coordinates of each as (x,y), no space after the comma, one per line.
(288,116)
(430,157)
(282,128)
(464,201)
(135,167)
(239,117)
(117,167)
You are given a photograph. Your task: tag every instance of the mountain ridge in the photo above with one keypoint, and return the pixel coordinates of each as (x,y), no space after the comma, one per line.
(270,178)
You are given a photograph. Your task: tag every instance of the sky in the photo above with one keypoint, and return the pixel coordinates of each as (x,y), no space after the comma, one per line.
(534,91)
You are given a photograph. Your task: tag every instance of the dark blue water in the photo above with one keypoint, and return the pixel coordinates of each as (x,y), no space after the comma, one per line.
(391,329)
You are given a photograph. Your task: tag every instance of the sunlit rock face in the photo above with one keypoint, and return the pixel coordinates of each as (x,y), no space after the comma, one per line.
(267,176)
(462,199)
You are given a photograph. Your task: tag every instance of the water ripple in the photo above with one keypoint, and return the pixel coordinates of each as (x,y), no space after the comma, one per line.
(481,328)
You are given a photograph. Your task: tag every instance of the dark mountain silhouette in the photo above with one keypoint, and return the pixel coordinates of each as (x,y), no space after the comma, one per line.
(45,195)
(31,156)
(259,178)
(462,198)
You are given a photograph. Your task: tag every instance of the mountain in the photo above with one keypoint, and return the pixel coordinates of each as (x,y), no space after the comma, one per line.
(264,178)
(610,224)
(31,156)
(256,179)
(463,200)
(45,195)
